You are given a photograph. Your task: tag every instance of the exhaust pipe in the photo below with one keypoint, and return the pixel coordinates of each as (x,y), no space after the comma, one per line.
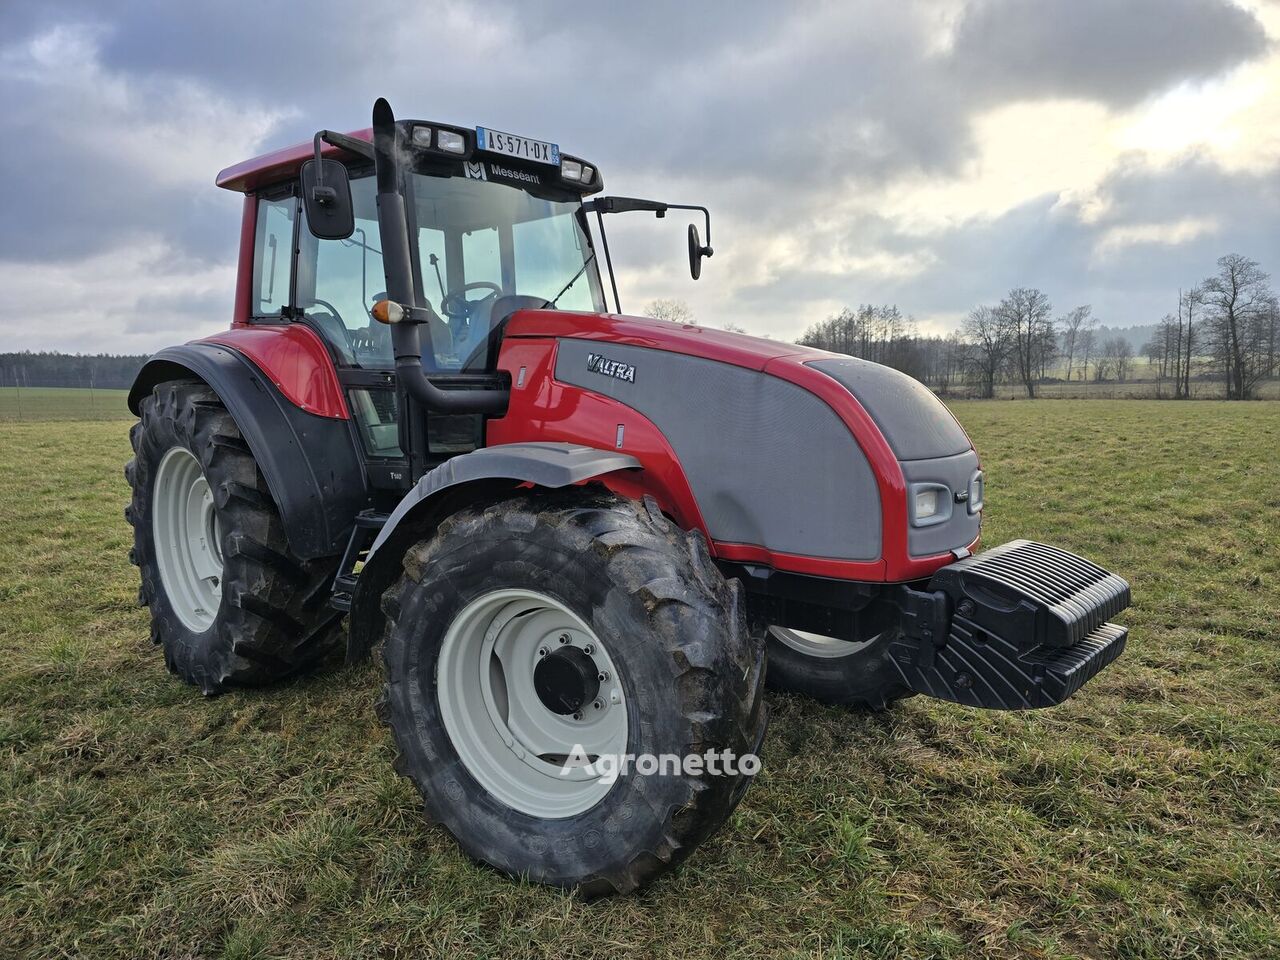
(394,231)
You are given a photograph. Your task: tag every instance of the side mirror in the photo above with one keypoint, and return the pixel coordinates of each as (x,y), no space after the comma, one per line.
(326,196)
(696,252)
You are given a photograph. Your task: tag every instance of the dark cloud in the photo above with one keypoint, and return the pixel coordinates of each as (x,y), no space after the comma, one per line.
(1113,51)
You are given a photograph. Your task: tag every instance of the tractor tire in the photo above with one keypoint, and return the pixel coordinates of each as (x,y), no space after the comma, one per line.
(230,604)
(832,671)
(546,580)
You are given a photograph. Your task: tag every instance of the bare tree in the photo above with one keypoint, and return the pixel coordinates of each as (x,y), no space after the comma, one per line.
(1028,313)
(1118,352)
(990,336)
(677,311)
(1072,323)
(732,327)
(1086,343)
(1238,299)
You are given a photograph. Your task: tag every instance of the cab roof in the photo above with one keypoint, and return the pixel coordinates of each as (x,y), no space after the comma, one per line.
(280,165)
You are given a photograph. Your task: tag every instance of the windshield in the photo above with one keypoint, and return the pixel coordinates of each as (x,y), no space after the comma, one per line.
(481,248)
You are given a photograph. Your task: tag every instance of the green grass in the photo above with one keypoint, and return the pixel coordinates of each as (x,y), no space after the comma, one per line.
(63,403)
(1141,819)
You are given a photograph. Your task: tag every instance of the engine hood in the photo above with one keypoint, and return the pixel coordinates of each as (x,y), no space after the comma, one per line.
(790,452)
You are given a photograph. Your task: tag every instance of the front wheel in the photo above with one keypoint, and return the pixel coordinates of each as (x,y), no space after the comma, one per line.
(538,651)
(842,672)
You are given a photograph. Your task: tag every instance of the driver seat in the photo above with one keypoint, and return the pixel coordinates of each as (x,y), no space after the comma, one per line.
(484,334)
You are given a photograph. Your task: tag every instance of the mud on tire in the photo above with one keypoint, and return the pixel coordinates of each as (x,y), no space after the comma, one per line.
(674,629)
(273,619)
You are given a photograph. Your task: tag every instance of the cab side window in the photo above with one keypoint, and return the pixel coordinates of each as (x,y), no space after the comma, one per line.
(273,256)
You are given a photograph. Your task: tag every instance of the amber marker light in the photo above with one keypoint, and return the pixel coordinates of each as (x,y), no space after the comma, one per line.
(387,311)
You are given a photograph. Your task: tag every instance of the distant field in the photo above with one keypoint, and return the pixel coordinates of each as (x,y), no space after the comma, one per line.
(63,403)
(1139,820)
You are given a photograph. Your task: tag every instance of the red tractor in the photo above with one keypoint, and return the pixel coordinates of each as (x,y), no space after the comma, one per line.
(575,533)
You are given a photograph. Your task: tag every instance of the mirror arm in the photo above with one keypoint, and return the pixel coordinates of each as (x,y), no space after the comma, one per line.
(706,250)
(361,148)
(319,192)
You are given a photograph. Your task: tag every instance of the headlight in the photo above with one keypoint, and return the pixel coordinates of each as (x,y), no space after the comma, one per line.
(451,142)
(588,173)
(571,170)
(926,504)
(929,504)
(422,136)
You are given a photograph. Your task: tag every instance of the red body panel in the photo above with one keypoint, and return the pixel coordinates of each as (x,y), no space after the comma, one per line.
(281,165)
(542,408)
(295,359)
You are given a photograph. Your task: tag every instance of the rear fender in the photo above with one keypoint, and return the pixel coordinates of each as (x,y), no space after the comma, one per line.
(482,476)
(310,462)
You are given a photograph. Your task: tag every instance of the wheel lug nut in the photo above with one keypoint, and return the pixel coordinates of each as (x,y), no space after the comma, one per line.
(604,676)
(588,649)
(599,704)
(564,638)
(543,651)
(578,715)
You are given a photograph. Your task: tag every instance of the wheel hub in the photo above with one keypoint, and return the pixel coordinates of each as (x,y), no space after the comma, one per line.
(524,686)
(187,539)
(565,679)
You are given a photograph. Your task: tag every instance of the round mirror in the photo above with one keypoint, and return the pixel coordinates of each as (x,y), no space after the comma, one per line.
(695,253)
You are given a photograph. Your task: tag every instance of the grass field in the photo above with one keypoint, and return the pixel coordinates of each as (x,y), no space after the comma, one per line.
(1141,819)
(63,403)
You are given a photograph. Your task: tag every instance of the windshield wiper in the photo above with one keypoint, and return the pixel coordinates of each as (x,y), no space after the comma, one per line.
(581,270)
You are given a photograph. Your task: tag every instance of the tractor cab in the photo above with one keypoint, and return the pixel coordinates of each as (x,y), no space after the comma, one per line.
(487,223)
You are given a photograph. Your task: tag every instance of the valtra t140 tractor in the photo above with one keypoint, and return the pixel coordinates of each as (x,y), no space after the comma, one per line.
(576,534)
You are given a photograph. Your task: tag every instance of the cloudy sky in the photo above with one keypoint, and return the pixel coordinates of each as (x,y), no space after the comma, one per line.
(931,153)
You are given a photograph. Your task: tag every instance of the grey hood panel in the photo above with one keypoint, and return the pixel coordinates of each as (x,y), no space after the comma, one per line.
(769,463)
(916,423)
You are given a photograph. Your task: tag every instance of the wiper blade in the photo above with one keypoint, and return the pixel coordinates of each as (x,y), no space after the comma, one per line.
(581,270)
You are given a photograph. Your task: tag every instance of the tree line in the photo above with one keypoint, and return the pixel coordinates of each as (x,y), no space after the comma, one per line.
(1226,327)
(47,369)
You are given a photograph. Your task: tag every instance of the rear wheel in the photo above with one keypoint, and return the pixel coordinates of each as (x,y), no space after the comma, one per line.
(229,602)
(568,627)
(842,672)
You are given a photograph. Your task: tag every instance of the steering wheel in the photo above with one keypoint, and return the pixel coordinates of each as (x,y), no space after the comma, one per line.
(331,308)
(456,306)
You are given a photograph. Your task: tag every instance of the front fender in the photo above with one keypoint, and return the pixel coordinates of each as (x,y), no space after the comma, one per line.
(477,477)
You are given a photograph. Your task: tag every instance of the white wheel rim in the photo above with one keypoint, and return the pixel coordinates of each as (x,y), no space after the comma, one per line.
(506,737)
(187,540)
(817,645)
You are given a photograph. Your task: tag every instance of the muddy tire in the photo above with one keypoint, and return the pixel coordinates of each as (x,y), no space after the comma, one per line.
(230,604)
(838,672)
(553,579)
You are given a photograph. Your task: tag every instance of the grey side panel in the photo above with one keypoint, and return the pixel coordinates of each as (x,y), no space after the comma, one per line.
(542,464)
(769,463)
(916,423)
(960,531)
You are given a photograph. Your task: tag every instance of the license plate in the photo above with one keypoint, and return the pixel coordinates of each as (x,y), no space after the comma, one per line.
(508,144)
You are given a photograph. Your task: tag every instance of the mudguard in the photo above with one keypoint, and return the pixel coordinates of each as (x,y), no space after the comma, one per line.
(310,462)
(463,480)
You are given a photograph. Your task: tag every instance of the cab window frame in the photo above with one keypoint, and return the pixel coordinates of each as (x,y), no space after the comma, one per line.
(275,194)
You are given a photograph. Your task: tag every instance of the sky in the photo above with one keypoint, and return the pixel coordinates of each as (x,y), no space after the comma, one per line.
(928,153)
